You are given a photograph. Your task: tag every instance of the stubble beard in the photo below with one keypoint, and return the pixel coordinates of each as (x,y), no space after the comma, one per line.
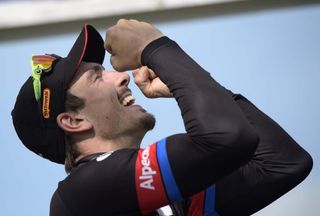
(148,122)
(144,124)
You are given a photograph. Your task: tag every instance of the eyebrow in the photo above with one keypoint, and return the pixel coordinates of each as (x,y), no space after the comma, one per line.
(93,71)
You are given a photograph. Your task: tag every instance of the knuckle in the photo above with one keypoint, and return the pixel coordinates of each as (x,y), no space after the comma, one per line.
(110,32)
(108,36)
(134,20)
(113,62)
(118,67)
(122,21)
(137,80)
(146,24)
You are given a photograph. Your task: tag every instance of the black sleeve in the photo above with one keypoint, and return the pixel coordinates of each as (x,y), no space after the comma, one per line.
(219,138)
(57,206)
(278,165)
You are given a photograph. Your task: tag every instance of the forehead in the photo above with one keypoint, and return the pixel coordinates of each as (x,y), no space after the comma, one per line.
(83,68)
(87,65)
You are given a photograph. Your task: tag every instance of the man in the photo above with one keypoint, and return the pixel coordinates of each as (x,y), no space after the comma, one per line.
(232,160)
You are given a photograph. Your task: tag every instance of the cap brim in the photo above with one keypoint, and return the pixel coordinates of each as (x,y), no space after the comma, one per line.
(88,47)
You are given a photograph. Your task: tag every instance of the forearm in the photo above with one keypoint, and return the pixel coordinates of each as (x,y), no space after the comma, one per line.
(205,105)
(218,135)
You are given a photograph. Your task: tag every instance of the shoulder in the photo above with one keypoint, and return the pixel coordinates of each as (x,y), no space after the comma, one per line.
(57,206)
(102,184)
(102,164)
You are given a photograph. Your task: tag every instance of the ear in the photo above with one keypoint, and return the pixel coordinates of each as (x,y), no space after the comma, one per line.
(72,122)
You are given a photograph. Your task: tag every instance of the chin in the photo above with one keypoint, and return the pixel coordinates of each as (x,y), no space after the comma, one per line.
(148,121)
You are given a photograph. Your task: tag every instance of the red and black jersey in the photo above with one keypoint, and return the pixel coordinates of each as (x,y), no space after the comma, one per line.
(232,160)
(142,190)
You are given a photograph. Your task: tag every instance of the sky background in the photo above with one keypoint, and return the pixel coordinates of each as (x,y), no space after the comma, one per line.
(272,57)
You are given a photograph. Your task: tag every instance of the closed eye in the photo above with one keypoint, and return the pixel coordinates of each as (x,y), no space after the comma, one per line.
(98,76)
(95,73)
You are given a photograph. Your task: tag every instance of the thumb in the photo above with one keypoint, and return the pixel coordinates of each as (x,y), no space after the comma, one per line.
(141,79)
(115,63)
(141,76)
(119,63)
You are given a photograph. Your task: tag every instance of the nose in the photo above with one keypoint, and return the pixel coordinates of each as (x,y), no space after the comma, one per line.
(121,79)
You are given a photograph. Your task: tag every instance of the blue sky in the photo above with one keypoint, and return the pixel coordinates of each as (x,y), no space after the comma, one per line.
(271,57)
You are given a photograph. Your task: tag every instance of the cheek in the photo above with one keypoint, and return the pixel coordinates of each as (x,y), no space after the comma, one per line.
(104,106)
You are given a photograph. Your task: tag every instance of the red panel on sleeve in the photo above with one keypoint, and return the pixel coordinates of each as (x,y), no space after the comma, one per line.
(197,204)
(149,186)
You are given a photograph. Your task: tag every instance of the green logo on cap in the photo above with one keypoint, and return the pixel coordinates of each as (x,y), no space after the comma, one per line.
(39,64)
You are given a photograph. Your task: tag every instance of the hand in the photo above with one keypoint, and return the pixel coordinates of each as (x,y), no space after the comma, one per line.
(126,40)
(150,84)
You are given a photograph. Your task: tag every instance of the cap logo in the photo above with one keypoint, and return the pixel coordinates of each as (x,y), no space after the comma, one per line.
(40,64)
(46,103)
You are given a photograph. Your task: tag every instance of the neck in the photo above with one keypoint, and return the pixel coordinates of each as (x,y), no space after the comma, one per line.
(98,144)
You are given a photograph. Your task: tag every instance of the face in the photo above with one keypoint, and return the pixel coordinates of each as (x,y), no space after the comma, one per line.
(109,105)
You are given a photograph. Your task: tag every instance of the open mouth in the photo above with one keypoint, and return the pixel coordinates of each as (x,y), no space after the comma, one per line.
(127,100)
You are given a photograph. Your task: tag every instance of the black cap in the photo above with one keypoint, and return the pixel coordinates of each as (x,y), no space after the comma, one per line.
(34,117)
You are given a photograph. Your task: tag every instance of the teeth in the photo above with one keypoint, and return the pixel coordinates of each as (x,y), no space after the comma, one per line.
(128,100)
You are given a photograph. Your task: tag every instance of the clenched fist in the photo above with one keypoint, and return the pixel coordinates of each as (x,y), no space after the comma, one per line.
(126,40)
(150,84)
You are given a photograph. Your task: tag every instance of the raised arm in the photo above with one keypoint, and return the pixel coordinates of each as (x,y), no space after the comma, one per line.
(218,137)
(218,134)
